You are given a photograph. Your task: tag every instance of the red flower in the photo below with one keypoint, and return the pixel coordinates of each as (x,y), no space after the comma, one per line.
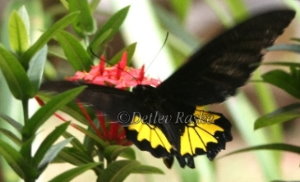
(118,76)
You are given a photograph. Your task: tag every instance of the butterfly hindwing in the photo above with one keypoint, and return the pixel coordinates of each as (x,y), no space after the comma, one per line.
(207,134)
(149,137)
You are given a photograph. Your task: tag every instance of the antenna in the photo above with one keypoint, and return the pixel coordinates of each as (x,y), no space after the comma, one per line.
(158,52)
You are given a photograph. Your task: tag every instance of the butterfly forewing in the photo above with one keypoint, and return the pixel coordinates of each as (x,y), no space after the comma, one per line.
(224,64)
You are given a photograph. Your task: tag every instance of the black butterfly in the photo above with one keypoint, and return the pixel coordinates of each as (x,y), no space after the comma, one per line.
(168,121)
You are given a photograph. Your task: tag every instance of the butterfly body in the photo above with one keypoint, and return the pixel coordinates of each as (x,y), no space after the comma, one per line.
(169,121)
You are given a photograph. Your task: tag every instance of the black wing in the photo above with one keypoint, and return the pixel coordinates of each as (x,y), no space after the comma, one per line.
(224,64)
(109,100)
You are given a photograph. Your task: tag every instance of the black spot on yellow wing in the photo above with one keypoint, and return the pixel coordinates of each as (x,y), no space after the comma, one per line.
(207,134)
(149,137)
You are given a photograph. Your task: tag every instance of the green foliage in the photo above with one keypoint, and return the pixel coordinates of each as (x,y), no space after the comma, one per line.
(46,36)
(18,36)
(15,75)
(108,30)
(74,51)
(72,173)
(278,116)
(130,51)
(118,170)
(46,111)
(273,146)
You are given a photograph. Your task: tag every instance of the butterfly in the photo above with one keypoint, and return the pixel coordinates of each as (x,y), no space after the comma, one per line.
(169,120)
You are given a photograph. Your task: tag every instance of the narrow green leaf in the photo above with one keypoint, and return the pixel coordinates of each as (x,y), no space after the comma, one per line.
(118,170)
(48,142)
(94,4)
(84,23)
(74,51)
(113,151)
(36,68)
(238,8)
(99,41)
(113,25)
(71,108)
(289,64)
(92,136)
(274,146)
(52,153)
(73,156)
(65,3)
(76,144)
(72,173)
(285,47)
(23,13)
(11,136)
(12,122)
(12,157)
(181,7)
(47,110)
(130,51)
(18,36)
(46,36)
(284,81)
(15,75)
(281,115)
(173,25)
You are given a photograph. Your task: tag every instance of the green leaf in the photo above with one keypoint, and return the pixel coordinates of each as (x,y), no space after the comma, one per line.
(172,24)
(15,75)
(52,153)
(284,81)
(130,51)
(12,157)
(18,36)
(117,171)
(46,36)
(12,122)
(36,68)
(273,146)
(23,13)
(48,142)
(285,47)
(72,173)
(71,108)
(238,9)
(11,136)
(281,115)
(112,25)
(289,64)
(84,23)
(76,144)
(94,137)
(47,110)
(181,7)
(65,3)
(113,151)
(73,156)
(74,51)
(99,41)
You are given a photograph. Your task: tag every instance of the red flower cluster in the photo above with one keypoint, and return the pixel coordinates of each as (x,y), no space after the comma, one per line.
(118,76)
